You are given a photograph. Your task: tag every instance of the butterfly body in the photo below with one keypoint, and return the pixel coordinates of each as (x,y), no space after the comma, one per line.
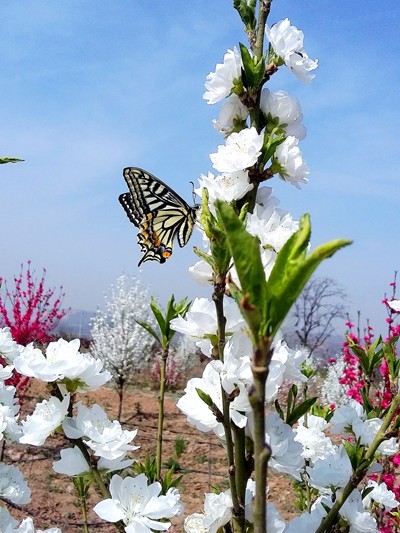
(159,213)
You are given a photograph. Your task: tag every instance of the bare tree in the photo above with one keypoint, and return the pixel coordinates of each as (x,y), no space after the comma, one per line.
(319,305)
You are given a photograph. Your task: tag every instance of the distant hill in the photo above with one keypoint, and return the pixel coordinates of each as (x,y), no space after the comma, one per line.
(76,323)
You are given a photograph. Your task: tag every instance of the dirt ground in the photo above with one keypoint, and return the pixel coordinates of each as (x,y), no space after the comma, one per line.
(54,502)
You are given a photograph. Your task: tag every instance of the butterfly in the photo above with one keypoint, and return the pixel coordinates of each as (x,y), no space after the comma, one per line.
(159,213)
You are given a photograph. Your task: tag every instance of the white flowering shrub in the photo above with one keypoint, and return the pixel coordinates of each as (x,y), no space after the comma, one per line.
(117,338)
(332,392)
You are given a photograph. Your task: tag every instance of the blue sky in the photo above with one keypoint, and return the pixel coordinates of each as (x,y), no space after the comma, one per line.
(90,87)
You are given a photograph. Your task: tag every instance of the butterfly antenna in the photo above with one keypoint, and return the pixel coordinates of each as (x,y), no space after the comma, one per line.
(193,192)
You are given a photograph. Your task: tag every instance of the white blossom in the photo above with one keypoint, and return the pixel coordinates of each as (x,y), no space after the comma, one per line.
(316,445)
(334,470)
(366,431)
(106,438)
(6,372)
(9,427)
(359,520)
(200,322)
(13,485)
(285,363)
(72,462)
(380,494)
(139,505)
(249,500)
(288,43)
(307,522)
(240,151)
(236,374)
(62,361)
(198,413)
(194,523)
(292,359)
(231,112)
(46,418)
(226,187)
(8,524)
(332,391)
(345,416)
(202,272)
(7,521)
(395,305)
(275,523)
(287,110)
(9,409)
(271,225)
(292,166)
(9,349)
(286,452)
(217,510)
(7,397)
(27,526)
(220,83)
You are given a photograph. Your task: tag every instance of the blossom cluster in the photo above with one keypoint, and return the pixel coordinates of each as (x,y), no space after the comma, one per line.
(304,450)
(347,384)
(103,442)
(258,146)
(248,148)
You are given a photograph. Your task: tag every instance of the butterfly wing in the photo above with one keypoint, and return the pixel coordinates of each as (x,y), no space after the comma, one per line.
(159,213)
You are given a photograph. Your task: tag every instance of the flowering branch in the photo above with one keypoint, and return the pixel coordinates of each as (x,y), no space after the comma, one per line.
(365,461)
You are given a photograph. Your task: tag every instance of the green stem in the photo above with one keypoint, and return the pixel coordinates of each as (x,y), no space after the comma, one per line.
(258,46)
(161,398)
(119,526)
(241,475)
(262,451)
(84,514)
(359,474)
(218,298)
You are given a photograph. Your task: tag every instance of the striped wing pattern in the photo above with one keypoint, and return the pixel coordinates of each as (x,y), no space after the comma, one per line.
(158,212)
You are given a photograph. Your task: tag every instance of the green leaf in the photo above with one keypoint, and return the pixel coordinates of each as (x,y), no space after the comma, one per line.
(214,230)
(181,308)
(389,352)
(148,467)
(279,409)
(158,316)
(205,397)
(271,141)
(246,11)
(291,271)
(300,410)
(205,256)
(164,322)
(265,304)
(150,330)
(173,311)
(369,357)
(253,69)
(245,250)
(4,160)
(354,451)
(291,398)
